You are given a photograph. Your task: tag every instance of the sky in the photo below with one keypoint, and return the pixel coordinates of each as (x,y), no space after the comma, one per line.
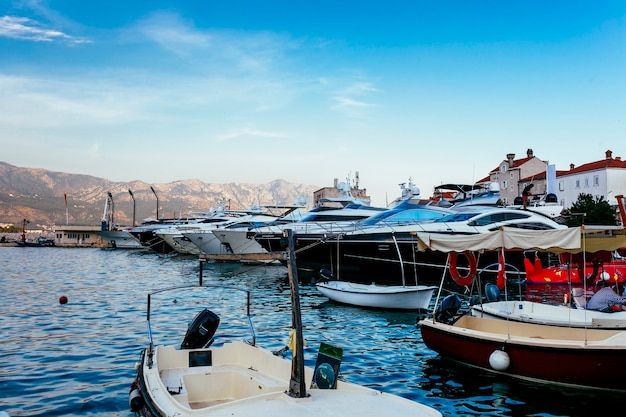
(252,91)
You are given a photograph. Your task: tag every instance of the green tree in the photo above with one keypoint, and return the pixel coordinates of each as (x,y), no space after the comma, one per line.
(596,211)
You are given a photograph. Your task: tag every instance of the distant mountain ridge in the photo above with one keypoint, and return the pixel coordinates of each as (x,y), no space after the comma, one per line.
(38,195)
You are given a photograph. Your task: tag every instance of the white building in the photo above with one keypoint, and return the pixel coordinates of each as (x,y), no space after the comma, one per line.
(606,177)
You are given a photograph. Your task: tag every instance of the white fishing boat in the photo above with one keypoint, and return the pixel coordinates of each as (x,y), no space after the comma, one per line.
(205,377)
(401,297)
(566,315)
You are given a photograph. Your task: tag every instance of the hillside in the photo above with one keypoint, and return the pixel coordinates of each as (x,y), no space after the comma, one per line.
(38,195)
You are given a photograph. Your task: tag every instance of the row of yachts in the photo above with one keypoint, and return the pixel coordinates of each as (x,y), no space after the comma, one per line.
(342,234)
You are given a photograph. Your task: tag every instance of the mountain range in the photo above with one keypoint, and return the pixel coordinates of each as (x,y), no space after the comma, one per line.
(48,198)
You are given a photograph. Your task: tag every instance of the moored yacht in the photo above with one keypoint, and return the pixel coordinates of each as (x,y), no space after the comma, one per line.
(206,241)
(387,252)
(321,221)
(120,238)
(146,234)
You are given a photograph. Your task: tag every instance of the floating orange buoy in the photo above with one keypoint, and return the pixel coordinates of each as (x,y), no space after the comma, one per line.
(63,299)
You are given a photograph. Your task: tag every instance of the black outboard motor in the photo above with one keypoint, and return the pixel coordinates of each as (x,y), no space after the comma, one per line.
(492,292)
(518,201)
(201,330)
(448,309)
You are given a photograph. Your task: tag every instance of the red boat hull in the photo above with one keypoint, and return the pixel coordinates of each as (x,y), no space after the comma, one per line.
(583,366)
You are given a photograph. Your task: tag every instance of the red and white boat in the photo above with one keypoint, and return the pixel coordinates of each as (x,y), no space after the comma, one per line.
(573,356)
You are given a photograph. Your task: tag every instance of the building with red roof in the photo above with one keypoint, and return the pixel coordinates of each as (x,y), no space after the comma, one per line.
(606,178)
(514,174)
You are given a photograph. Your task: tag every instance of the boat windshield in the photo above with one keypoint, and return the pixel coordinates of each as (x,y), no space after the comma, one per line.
(457,217)
(403,216)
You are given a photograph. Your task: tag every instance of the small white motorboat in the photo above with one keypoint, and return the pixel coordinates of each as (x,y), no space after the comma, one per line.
(567,315)
(402,297)
(238,378)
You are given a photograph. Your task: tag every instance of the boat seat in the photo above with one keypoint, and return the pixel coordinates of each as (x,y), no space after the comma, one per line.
(579,298)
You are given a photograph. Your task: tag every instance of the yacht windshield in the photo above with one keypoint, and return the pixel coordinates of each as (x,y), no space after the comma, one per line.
(457,217)
(403,216)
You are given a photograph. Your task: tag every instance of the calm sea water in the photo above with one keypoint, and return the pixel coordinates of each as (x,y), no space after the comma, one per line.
(77,359)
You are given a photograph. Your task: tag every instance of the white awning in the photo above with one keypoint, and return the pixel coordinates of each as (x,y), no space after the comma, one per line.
(573,240)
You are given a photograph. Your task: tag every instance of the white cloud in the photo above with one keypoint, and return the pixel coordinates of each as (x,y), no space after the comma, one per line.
(171,32)
(27,29)
(349,100)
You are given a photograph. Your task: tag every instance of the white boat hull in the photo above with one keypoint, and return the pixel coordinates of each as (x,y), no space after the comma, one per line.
(238,241)
(415,297)
(119,239)
(555,315)
(180,243)
(206,242)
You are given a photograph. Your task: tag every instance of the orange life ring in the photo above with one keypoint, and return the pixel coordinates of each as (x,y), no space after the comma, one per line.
(465,280)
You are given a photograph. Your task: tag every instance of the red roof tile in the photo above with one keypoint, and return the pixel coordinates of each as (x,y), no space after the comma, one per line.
(595,166)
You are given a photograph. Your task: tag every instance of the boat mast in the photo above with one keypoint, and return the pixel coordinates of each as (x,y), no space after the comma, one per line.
(297,387)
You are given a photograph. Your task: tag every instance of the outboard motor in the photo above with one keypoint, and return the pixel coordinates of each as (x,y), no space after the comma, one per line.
(492,292)
(201,330)
(448,308)
(326,275)
(518,201)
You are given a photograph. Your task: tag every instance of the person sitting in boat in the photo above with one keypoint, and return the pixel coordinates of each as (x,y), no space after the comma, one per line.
(607,299)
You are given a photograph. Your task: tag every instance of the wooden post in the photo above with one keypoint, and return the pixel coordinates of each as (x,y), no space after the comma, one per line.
(297,386)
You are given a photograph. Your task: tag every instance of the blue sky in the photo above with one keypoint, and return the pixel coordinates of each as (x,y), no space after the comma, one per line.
(252,91)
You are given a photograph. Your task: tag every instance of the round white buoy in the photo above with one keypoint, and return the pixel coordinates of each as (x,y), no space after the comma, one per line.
(605,276)
(499,360)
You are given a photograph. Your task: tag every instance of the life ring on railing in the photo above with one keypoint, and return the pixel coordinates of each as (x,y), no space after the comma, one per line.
(464,280)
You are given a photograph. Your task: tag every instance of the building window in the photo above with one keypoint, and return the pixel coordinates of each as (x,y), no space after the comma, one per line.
(596,180)
(586,182)
(561,186)
(504,185)
(577,183)
(503,168)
